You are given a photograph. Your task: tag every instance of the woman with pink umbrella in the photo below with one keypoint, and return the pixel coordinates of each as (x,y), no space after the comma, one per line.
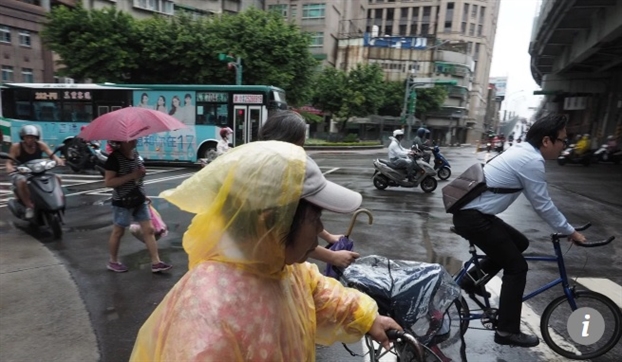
(125,172)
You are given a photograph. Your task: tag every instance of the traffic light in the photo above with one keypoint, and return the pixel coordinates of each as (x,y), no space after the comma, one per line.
(226,58)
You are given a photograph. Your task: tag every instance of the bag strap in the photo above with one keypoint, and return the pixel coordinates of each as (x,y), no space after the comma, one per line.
(501,190)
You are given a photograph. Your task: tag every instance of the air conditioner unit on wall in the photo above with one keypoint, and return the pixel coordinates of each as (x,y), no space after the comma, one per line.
(68,80)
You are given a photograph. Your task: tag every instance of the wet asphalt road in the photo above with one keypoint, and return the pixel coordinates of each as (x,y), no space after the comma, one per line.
(408,224)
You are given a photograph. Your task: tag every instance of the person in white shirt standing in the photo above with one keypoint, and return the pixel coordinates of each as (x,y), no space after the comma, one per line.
(520,167)
(399,156)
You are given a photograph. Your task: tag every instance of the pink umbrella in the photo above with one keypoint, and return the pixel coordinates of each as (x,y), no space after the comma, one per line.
(128,124)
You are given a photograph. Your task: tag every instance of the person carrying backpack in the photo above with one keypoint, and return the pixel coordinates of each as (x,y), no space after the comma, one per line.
(520,168)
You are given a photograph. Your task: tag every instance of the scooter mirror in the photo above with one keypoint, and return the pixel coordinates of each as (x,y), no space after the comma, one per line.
(6,156)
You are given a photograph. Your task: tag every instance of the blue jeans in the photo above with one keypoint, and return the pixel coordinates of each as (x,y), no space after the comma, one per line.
(123,217)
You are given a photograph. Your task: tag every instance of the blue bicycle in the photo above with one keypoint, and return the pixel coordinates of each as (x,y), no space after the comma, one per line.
(553,324)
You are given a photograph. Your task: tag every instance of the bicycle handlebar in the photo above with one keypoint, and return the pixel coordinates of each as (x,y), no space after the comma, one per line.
(395,335)
(558,236)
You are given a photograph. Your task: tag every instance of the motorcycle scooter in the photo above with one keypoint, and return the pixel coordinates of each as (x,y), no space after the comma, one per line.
(604,154)
(569,155)
(82,155)
(441,166)
(45,191)
(385,175)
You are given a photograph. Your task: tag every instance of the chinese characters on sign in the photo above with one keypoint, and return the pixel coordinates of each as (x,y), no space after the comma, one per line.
(77,95)
(212,97)
(248,98)
(40,96)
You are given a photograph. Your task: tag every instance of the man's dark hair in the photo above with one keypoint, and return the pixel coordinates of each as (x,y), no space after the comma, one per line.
(547,126)
(285,126)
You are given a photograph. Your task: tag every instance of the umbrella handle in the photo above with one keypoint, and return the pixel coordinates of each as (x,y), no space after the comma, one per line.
(355,215)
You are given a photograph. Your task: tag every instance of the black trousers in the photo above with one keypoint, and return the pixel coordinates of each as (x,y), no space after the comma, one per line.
(503,246)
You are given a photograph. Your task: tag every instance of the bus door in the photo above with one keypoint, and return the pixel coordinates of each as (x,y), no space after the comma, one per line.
(246,124)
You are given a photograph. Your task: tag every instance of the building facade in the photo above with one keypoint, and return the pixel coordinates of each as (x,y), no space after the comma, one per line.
(325,21)
(473,22)
(23,57)
(426,64)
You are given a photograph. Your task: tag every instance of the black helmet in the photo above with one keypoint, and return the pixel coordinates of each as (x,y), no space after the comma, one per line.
(421,132)
(29,130)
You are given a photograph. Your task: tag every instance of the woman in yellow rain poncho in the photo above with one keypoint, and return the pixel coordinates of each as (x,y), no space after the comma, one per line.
(249,294)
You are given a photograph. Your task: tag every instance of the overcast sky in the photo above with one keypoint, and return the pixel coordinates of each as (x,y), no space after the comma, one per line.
(511,58)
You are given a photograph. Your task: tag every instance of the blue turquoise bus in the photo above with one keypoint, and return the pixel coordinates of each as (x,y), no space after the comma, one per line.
(60,110)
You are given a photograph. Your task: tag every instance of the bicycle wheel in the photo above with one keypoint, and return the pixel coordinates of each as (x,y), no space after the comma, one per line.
(554,325)
(405,353)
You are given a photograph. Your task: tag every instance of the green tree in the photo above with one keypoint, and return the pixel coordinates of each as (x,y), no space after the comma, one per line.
(106,45)
(98,44)
(357,93)
(428,100)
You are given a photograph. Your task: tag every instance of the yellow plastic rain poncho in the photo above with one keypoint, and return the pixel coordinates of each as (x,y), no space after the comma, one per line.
(239,301)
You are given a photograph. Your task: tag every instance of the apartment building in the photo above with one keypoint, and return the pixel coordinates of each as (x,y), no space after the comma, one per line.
(324,20)
(473,22)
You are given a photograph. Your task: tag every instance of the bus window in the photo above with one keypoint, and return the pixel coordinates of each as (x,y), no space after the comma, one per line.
(277,100)
(77,112)
(212,114)
(46,111)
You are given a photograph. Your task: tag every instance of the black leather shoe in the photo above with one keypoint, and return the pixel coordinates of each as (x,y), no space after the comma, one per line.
(517,340)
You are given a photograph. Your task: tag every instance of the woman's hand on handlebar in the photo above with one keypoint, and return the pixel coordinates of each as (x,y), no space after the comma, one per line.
(377,331)
(577,237)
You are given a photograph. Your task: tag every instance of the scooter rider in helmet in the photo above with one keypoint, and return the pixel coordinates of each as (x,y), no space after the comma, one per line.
(398,155)
(419,141)
(30,148)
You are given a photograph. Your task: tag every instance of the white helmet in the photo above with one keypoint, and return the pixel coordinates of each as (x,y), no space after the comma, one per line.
(29,130)
(398,132)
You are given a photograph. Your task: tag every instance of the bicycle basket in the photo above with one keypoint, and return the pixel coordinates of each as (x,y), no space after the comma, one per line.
(415,294)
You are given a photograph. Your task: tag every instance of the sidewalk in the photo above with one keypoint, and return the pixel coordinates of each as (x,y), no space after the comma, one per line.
(42,316)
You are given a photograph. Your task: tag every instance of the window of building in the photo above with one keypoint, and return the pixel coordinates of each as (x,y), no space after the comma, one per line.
(280,8)
(471,29)
(465,13)
(479,30)
(388,30)
(369,12)
(313,11)
(378,14)
(161,6)
(447,27)
(425,28)
(24,38)
(390,14)
(402,29)
(469,47)
(7,73)
(317,39)
(449,14)
(427,11)
(463,27)
(27,75)
(415,14)
(482,14)
(404,13)
(293,11)
(5,34)
(413,29)
(476,54)
(474,11)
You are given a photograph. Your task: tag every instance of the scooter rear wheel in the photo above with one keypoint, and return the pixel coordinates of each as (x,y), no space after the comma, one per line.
(428,184)
(381,182)
(444,173)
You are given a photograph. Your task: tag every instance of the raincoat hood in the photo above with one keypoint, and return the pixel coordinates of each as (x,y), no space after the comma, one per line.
(245,205)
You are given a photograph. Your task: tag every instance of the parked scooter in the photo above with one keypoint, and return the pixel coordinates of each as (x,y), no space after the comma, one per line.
(441,166)
(385,175)
(606,154)
(46,194)
(569,155)
(84,155)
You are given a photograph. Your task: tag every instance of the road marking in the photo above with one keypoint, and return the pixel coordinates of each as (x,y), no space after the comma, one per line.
(604,286)
(330,171)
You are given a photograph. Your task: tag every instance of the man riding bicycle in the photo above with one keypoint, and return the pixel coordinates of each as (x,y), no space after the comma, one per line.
(520,167)
(30,148)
